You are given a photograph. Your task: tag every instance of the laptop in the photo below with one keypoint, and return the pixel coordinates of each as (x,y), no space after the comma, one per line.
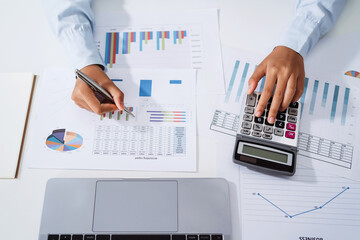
(136,209)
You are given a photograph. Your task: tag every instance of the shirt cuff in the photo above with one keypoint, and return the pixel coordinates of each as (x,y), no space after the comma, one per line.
(302,34)
(80,47)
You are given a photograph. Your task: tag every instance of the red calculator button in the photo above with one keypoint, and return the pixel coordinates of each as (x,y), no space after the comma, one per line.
(291,126)
(289,134)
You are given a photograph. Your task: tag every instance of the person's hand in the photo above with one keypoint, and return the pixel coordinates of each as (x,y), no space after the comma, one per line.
(282,66)
(85,97)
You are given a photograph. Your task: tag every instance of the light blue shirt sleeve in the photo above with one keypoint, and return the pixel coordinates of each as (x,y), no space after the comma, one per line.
(72,22)
(313,19)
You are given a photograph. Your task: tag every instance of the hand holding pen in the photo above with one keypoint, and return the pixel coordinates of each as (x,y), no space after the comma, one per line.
(98,93)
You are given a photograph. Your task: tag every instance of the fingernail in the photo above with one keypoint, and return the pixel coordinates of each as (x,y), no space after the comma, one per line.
(271,120)
(258,114)
(250,88)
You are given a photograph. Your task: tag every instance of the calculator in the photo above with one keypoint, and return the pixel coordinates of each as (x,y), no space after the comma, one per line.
(261,145)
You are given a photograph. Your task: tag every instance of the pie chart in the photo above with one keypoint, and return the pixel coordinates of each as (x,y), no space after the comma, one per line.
(64,141)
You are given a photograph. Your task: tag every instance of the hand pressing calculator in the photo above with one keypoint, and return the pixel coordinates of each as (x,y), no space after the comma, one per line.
(262,145)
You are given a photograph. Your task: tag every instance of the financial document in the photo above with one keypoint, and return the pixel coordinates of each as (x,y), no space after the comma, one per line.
(164,40)
(327,137)
(308,204)
(161,137)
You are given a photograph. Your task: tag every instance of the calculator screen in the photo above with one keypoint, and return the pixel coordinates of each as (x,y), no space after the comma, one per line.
(262,153)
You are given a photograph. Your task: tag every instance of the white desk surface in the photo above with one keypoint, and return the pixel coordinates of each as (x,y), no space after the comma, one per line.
(27,45)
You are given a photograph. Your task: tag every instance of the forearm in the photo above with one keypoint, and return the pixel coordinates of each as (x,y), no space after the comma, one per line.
(72,22)
(313,19)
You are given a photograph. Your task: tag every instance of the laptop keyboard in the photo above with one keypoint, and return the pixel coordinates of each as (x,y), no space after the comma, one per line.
(135,237)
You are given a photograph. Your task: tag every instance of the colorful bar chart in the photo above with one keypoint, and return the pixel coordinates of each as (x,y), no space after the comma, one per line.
(128,38)
(145,37)
(178,36)
(111,48)
(116,115)
(162,35)
(131,109)
(145,88)
(167,116)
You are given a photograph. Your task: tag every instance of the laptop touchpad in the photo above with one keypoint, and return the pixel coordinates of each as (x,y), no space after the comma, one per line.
(136,206)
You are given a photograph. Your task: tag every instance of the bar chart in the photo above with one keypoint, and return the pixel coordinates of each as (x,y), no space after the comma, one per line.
(118,115)
(167,116)
(111,48)
(131,42)
(335,102)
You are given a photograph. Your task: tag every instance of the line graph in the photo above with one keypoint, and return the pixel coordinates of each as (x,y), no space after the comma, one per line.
(310,210)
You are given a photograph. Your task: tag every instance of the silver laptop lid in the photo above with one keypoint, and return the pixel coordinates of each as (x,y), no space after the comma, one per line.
(118,207)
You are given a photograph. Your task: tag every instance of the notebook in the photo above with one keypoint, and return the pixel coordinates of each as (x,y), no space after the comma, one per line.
(15,98)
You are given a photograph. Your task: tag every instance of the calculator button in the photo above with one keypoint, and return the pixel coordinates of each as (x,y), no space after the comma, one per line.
(291,119)
(294,105)
(268,106)
(245,131)
(251,100)
(281,116)
(248,117)
(289,134)
(283,111)
(65,237)
(291,126)
(293,111)
(279,124)
(256,134)
(246,125)
(269,124)
(249,110)
(279,132)
(258,127)
(259,120)
(263,113)
(267,136)
(268,129)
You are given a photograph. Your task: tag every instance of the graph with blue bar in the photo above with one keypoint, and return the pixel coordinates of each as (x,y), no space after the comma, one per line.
(329,99)
(175,81)
(145,88)
(134,42)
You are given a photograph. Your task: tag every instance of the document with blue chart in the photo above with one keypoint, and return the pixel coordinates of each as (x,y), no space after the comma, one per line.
(327,137)
(311,204)
(161,137)
(166,40)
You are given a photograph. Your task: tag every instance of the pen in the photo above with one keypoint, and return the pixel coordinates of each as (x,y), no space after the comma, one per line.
(97,88)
